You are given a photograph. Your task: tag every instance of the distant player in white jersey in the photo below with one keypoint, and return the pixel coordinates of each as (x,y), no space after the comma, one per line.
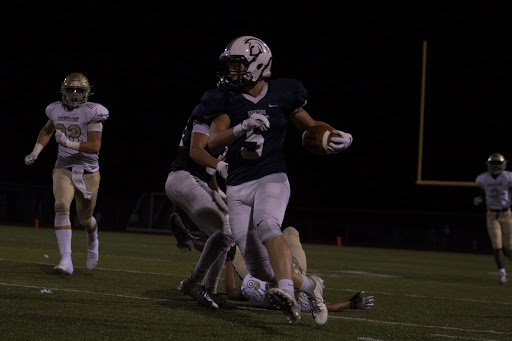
(495,186)
(78,126)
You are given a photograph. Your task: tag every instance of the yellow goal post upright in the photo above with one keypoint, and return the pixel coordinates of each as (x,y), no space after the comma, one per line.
(419,180)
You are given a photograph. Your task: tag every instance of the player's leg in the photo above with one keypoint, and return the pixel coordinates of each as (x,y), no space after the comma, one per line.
(495,235)
(271,197)
(63,191)
(209,213)
(291,235)
(506,228)
(85,210)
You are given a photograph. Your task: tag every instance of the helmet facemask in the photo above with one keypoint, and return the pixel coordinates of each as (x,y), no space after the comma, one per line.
(496,164)
(233,74)
(75,90)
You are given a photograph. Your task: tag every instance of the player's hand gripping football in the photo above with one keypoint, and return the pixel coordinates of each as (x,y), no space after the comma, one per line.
(256,121)
(339,144)
(359,302)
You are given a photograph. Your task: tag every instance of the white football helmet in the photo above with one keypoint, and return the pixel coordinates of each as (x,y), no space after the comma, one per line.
(496,164)
(75,90)
(244,61)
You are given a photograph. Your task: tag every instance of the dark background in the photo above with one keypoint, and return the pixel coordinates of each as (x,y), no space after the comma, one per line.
(150,63)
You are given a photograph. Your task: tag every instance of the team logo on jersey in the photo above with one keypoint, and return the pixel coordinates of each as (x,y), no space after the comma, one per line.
(67,119)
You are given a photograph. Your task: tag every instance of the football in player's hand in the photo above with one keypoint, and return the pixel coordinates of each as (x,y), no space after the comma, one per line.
(316,139)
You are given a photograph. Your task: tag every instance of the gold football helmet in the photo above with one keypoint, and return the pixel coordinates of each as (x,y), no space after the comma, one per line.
(75,90)
(496,164)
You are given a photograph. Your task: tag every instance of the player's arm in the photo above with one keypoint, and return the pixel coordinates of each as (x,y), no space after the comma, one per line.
(198,153)
(338,306)
(42,140)
(93,143)
(302,120)
(232,291)
(479,199)
(221,134)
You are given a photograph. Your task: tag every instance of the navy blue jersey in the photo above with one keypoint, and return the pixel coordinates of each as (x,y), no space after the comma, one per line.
(183,160)
(256,153)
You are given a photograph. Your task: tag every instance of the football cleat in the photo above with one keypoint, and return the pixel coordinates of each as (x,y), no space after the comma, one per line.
(316,301)
(221,302)
(199,293)
(285,302)
(64,267)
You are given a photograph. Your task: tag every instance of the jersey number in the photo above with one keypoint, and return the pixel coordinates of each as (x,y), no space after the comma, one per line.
(73,130)
(252,148)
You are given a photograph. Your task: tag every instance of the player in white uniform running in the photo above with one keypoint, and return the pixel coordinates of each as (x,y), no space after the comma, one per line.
(78,126)
(495,186)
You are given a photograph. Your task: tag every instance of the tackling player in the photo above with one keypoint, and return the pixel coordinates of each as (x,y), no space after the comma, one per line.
(78,126)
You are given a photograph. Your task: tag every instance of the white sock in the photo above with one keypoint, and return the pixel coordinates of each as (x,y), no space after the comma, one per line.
(502,272)
(64,242)
(306,283)
(92,236)
(286,284)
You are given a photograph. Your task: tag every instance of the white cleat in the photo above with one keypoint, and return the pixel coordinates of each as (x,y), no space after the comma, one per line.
(92,254)
(285,302)
(316,301)
(64,267)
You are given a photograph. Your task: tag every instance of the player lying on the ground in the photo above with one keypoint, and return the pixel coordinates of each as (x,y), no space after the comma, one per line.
(254,289)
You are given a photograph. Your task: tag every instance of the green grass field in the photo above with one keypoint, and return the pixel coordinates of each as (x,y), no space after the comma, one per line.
(132,294)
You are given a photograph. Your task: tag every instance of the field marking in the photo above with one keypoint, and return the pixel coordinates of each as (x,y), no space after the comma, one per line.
(462,337)
(329,288)
(259,309)
(420,325)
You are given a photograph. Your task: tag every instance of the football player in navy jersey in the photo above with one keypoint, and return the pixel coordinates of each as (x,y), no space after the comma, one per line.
(250,115)
(188,186)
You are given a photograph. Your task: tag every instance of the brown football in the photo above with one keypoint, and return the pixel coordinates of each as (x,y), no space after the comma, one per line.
(317,138)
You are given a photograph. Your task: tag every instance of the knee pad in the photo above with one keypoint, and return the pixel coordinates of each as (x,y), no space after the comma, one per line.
(87,223)
(267,229)
(221,240)
(62,219)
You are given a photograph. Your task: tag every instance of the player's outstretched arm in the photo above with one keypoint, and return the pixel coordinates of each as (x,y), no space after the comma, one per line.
(42,140)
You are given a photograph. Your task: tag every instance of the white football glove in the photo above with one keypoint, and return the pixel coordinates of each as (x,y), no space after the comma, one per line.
(256,121)
(339,144)
(222,168)
(478,200)
(61,138)
(31,158)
